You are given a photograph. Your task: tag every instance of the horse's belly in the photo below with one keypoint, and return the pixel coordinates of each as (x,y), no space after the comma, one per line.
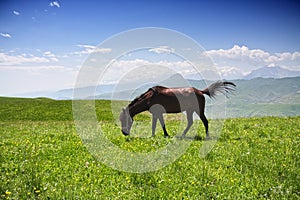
(172,107)
(172,104)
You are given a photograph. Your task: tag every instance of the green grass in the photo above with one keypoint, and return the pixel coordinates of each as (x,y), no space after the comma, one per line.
(262,109)
(42,157)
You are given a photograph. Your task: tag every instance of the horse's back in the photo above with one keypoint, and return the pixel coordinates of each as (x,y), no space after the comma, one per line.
(177,99)
(178,91)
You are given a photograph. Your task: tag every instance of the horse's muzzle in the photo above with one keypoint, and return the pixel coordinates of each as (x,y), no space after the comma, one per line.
(124,133)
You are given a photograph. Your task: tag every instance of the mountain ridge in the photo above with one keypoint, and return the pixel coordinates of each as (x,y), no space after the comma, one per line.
(254,97)
(277,86)
(271,72)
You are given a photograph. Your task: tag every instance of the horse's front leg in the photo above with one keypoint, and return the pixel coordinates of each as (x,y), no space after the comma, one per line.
(162,122)
(189,116)
(154,121)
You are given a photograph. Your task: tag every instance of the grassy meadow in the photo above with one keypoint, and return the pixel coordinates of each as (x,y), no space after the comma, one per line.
(42,157)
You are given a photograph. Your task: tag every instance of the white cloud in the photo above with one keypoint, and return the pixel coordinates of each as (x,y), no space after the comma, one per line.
(156,69)
(23,79)
(162,49)
(16,12)
(37,66)
(32,68)
(86,46)
(88,49)
(6,59)
(129,64)
(6,35)
(54,4)
(277,57)
(50,55)
(242,60)
(238,52)
(231,72)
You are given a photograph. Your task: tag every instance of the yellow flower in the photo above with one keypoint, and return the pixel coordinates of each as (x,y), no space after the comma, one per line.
(7,193)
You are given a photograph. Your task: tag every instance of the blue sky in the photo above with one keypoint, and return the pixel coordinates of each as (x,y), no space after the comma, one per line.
(43,43)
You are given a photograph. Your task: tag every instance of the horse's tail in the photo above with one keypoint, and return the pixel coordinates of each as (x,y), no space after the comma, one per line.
(223,87)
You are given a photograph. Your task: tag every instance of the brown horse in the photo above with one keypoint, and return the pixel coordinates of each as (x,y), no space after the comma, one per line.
(158,100)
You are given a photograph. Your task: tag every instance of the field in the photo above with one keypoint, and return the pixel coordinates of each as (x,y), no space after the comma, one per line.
(42,157)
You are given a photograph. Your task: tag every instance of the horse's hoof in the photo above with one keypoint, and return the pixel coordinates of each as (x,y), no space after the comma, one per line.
(178,137)
(166,136)
(208,138)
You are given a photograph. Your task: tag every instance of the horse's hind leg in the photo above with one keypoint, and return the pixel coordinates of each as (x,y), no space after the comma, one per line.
(162,122)
(200,112)
(205,122)
(189,116)
(154,121)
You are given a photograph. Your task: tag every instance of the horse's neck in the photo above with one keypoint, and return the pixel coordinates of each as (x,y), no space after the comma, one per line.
(137,108)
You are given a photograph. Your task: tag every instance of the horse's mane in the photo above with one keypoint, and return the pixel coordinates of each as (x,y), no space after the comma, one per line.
(138,99)
(149,93)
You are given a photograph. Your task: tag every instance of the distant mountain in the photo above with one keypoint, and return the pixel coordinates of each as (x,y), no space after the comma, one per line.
(130,91)
(48,94)
(265,97)
(272,72)
(84,92)
(254,90)
(66,94)
(254,97)
(267,90)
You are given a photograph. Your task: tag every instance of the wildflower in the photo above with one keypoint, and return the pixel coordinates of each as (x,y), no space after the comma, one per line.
(37,191)
(7,193)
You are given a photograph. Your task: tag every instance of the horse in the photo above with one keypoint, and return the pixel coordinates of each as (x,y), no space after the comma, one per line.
(159,100)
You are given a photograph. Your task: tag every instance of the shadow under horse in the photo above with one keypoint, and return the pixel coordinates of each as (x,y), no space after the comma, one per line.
(159,100)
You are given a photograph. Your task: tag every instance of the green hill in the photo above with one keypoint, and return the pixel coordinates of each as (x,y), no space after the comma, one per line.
(261,90)
(265,97)
(43,157)
(45,109)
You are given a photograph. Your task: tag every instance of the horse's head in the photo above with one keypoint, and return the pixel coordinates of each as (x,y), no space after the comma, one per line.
(126,121)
